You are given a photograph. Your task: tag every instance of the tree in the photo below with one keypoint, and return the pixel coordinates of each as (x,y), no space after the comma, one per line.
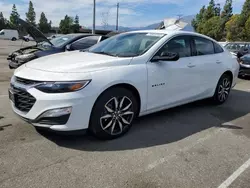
(66,25)
(76,20)
(247,29)
(196,23)
(245,13)
(76,27)
(14,16)
(210,12)
(43,25)
(233,29)
(31,15)
(2,21)
(227,12)
(212,28)
(217,10)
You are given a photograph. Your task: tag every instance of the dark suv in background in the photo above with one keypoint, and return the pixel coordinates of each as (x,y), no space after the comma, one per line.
(44,46)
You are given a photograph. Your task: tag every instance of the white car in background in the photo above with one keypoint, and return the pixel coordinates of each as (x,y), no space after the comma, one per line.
(132,74)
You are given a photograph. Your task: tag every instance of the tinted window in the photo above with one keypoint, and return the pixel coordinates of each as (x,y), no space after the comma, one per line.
(180,44)
(2,33)
(103,38)
(203,46)
(85,42)
(218,48)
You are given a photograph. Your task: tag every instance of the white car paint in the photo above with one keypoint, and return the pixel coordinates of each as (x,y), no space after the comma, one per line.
(9,34)
(186,80)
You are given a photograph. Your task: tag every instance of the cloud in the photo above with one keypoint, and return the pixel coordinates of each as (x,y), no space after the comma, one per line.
(55,10)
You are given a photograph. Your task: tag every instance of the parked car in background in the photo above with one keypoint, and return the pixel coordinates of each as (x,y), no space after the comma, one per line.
(105,87)
(9,34)
(223,43)
(27,38)
(44,46)
(85,42)
(55,36)
(238,49)
(244,65)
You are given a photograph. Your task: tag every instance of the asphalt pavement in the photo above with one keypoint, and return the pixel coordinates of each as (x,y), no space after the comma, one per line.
(196,145)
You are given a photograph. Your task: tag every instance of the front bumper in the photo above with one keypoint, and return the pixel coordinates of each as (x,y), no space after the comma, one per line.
(78,119)
(244,70)
(13,65)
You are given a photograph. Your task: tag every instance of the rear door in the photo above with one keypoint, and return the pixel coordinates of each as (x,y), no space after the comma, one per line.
(208,62)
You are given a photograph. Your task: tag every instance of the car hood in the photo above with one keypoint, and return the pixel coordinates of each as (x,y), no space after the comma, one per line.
(36,34)
(76,62)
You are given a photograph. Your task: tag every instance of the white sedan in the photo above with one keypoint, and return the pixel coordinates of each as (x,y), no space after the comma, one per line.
(132,74)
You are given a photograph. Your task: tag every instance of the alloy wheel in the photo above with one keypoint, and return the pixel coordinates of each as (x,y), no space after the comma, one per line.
(224,89)
(118,114)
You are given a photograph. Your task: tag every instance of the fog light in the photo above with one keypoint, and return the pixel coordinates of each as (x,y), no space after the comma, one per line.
(57,112)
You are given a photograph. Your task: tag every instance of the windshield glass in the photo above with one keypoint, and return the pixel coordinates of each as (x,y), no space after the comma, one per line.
(59,41)
(127,45)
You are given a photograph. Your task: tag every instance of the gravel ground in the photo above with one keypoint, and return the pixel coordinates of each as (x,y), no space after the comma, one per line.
(195,145)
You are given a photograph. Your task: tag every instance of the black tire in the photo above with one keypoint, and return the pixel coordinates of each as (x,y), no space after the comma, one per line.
(105,122)
(223,89)
(27,40)
(14,39)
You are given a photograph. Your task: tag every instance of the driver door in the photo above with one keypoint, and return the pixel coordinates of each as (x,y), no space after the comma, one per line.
(172,82)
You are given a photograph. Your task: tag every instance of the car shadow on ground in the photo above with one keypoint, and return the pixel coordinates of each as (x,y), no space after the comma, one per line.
(167,126)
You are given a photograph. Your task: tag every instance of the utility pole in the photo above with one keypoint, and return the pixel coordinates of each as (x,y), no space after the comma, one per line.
(93,29)
(117,15)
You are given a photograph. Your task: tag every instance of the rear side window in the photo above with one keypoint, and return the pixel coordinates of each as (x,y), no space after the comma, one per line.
(218,48)
(203,46)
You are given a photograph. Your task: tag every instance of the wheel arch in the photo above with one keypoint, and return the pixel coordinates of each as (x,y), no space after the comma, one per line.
(229,73)
(128,86)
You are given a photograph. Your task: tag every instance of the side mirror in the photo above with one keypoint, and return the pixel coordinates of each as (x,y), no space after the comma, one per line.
(166,56)
(68,47)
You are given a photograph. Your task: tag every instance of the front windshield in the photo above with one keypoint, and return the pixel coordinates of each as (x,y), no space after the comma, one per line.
(127,45)
(59,41)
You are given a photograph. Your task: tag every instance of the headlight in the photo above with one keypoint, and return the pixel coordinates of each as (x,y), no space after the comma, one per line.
(25,57)
(62,87)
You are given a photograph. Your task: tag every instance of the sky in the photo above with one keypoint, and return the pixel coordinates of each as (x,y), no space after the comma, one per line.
(132,13)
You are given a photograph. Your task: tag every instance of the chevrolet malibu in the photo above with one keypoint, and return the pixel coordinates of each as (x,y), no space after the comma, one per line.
(103,89)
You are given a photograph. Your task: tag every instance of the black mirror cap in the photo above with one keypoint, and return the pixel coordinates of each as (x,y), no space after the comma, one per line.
(68,47)
(166,57)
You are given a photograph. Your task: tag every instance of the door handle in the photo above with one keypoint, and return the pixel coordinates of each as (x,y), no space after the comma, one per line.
(218,62)
(191,66)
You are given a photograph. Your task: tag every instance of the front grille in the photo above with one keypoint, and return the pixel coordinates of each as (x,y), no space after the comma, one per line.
(26,81)
(23,100)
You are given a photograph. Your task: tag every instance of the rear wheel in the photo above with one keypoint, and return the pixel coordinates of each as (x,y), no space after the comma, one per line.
(223,89)
(14,39)
(113,113)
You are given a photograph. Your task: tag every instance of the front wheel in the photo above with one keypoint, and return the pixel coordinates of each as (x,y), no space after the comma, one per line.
(223,89)
(113,113)
(14,39)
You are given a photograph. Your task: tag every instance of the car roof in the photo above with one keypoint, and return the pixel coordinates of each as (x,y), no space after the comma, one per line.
(172,33)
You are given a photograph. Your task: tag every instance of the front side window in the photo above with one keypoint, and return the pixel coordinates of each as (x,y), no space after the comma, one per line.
(203,46)
(1,33)
(127,45)
(180,45)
